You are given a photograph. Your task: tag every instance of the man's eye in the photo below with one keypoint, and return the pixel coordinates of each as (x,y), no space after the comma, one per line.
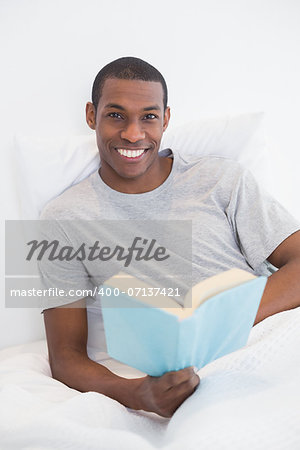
(115,115)
(150,116)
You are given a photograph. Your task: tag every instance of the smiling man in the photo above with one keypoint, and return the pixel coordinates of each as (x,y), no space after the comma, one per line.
(129,121)
(235,224)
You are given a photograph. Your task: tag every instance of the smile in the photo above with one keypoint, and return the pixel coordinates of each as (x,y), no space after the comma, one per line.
(131,154)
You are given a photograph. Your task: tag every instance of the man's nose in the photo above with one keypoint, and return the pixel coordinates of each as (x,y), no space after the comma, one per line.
(133,132)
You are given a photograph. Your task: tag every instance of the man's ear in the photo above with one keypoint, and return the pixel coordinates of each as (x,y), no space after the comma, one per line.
(90,115)
(167,115)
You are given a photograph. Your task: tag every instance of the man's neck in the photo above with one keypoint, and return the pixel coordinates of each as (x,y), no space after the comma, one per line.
(140,185)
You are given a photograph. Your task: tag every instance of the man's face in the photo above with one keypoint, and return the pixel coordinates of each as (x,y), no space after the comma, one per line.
(129,124)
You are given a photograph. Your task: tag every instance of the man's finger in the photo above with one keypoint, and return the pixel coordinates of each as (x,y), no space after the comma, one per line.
(175,378)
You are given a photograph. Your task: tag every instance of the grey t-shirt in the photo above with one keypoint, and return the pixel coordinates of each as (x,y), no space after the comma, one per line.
(234,222)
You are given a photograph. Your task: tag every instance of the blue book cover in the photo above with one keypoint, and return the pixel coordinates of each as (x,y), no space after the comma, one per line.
(156,340)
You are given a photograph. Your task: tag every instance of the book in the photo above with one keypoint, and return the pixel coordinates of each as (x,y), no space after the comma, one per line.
(216,319)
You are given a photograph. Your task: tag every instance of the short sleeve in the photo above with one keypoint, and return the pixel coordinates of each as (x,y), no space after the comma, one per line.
(63,281)
(259,222)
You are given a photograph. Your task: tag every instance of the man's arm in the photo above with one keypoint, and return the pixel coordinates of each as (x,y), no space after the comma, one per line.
(67,331)
(282,290)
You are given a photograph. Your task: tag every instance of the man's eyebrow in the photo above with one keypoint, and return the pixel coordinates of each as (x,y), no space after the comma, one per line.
(114,105)
(148,108)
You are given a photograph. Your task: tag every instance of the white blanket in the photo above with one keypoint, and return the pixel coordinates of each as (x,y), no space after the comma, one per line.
(246,400)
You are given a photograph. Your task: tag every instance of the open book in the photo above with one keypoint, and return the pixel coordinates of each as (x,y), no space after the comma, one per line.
(148,330)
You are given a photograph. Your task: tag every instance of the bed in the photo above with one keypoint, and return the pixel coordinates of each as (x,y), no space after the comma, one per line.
(246,400)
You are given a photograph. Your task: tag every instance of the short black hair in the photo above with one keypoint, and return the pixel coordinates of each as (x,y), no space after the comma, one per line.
(128,68)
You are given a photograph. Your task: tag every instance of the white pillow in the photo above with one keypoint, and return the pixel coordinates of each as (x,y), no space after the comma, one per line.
(239,137)
(48,166)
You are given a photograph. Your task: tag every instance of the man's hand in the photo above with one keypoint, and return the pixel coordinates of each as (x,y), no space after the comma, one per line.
(163,395)
(67,330)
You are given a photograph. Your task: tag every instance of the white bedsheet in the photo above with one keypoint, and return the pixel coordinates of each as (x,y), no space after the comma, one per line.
(247,400)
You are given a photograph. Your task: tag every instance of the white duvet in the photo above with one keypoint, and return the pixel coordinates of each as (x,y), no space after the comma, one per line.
(249,399)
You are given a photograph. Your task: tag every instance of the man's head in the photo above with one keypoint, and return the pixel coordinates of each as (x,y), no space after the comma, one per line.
(128,68)
(129,114)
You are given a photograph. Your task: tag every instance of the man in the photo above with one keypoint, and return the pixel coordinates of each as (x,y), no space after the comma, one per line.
(233,226)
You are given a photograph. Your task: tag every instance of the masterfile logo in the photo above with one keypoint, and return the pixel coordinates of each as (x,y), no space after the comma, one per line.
(49,260)
(144,251)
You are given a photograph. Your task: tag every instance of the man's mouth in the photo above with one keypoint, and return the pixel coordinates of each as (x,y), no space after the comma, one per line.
(132,154)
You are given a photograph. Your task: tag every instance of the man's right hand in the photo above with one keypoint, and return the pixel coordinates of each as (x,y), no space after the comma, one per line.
(67,331)
(164,394)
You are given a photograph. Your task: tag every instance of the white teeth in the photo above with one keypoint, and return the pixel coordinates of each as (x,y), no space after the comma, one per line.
(130,153)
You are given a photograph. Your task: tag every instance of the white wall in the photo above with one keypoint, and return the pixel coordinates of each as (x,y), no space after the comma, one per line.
(217,56)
